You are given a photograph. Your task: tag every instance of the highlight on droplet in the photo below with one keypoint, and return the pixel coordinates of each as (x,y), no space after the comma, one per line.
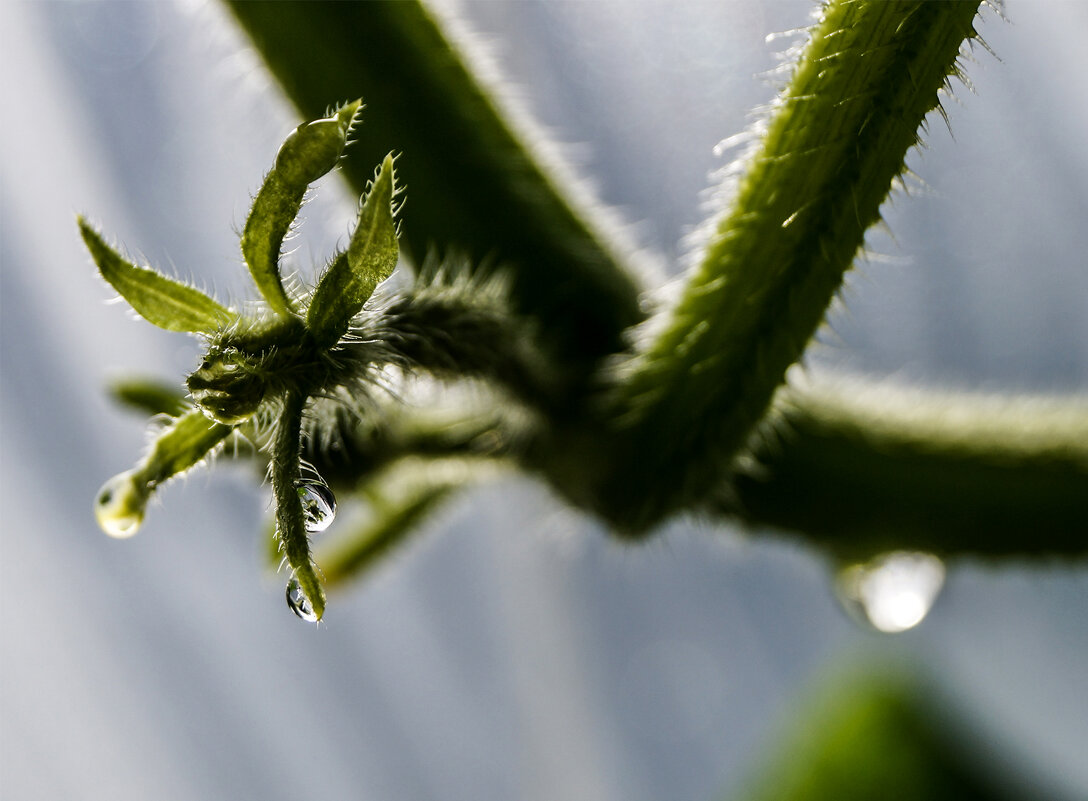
(119,505)
(318,504)
(892,592)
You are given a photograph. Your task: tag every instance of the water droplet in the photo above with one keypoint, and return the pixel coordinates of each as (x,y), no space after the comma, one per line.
(318,503)
(893,592)
(299,603)
(119,505)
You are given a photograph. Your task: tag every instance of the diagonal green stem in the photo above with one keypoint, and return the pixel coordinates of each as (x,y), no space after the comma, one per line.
(475,184)
(833,147)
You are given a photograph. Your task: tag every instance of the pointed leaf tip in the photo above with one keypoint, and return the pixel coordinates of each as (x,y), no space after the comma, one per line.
(370,259)
(348,113)
(160,300)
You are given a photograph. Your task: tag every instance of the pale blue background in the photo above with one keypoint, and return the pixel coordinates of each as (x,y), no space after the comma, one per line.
(514,652)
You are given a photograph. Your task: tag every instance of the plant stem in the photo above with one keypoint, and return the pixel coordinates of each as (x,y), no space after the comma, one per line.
(864,469)
(832,149)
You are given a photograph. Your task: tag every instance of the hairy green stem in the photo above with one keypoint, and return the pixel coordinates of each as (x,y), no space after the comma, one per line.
(863,469)
(832,149)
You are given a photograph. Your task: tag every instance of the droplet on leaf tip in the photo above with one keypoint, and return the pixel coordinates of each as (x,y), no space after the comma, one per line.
(119,505)
(298,603)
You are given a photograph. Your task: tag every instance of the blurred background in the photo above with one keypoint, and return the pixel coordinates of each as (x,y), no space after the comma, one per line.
(515,651)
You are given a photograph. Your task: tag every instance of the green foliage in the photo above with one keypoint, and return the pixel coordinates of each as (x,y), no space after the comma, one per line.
(873,738)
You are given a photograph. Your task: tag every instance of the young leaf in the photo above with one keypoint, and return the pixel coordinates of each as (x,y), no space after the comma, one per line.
(309,152)
(158,299)
(369,260)
(186,442)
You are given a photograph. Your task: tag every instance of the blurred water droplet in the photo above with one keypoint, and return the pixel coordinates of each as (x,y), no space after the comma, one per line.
(893,592)
(298,603)
(119,505)
(318,503)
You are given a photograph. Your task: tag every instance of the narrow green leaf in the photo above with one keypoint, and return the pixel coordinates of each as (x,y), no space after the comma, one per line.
(391,527)
(369,260)
(309,152)
(158,299)
(150,396)
(188,440)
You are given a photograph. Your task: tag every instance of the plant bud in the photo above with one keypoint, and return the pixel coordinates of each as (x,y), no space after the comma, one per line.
(226,389)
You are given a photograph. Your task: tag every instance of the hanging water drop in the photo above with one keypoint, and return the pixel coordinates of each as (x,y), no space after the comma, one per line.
(318,503)
(119,505)
(893,592)
(299,603)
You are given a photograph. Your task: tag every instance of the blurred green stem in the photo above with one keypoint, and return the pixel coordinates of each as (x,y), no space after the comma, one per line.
(862,469)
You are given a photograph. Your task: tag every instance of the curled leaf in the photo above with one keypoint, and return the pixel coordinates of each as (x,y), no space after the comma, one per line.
(160,300)
(310,151)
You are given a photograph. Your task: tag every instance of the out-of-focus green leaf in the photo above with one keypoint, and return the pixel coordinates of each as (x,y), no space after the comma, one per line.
(878,739)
